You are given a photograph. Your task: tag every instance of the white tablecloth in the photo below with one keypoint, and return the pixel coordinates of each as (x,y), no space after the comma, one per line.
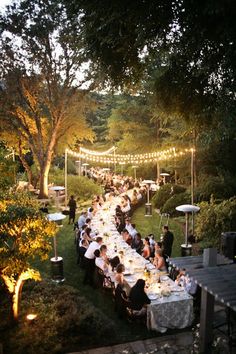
(172,311)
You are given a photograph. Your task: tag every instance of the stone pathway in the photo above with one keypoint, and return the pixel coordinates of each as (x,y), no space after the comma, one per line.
(180,343)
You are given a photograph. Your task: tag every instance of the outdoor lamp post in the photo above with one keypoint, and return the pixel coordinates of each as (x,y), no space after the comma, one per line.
(85,167)
(56,262)
(134,168)
(79,167)
(164,175)
(186,248)
(122,164)
(148,205)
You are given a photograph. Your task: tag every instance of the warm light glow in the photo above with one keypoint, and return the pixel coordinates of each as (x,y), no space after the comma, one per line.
(107,157)
(31,316)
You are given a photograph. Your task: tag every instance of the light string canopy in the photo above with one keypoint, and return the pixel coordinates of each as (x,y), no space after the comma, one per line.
(106,157)
(97,153)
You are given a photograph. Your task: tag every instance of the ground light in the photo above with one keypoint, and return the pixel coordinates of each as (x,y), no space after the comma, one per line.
(31,317)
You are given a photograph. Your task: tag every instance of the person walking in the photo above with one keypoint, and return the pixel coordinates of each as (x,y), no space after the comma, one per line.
(72,208)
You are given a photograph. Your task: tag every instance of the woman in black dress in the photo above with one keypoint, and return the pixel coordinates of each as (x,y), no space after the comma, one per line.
(139,299)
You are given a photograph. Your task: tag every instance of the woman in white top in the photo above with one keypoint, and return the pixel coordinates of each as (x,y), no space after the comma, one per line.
(159,261)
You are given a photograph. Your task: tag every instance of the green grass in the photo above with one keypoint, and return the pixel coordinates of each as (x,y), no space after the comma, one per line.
(102,300)
(147,225)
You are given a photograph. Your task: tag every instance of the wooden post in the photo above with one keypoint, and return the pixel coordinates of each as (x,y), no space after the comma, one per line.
(207,305)
(158,170)
(66,192)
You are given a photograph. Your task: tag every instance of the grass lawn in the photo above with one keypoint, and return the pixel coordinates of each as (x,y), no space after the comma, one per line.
(102,300)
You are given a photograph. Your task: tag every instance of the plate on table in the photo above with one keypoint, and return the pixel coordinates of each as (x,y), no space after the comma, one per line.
(127,273)
(130,279)
(177,290)
(152,296)
(164,277)
(150,266)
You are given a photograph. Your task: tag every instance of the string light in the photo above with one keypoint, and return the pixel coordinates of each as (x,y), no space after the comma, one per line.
(106,157)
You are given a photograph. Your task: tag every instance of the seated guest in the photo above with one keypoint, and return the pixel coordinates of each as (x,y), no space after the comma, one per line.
(146,249)
(159,261)
(86,235)
(133,231)
(128,225)
(158,246)
(184,281)
(89,261)
(137,243)
(81,252)
(119,225)
(119,277)
(82,219)
(101,259)
(152,244)
(126,237)
(90,213)
(139,299)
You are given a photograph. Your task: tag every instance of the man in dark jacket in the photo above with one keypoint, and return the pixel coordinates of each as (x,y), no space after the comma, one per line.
(167,242)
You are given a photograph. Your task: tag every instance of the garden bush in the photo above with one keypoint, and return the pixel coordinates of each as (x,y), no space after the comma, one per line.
(81,187)
(164,193)
(213,219)
(174,201)
(65,322)
(221,187)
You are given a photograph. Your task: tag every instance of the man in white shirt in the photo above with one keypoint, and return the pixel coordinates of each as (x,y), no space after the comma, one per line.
(82,219)
(89,261)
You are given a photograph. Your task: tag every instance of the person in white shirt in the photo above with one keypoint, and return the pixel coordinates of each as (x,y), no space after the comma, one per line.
(101,260)
(89,261)
(128,226)
(82,219)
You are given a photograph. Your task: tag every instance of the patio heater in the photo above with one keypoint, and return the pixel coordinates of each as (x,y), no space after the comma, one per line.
(186,248)
(148,205)
(56,261)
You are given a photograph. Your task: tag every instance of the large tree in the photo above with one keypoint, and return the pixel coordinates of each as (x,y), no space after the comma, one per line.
(190,45)
(43,102)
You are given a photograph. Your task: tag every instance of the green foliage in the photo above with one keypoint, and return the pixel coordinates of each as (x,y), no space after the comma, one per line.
(24,233)
(174,201)
(192,74)
(216,186)
(7,171)
(213,219)
(81,187)
(66,320)
(164,193)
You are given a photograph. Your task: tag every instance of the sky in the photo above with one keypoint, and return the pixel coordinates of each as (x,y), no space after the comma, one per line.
(3,3)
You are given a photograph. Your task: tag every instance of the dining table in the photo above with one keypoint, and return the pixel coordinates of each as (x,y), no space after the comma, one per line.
(171,306)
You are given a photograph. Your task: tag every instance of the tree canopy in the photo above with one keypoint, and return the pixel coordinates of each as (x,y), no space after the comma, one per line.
(43,103)
(187,47)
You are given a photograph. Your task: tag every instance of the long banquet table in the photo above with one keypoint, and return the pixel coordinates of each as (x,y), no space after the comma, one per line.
(171,306)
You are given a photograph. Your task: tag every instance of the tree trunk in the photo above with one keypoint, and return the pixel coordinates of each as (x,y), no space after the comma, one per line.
(43,181)
(15,298)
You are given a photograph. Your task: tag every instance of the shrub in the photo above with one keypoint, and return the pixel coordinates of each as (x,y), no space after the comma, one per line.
(65,321)
(174,201)
(164,193)
(213,219)
(81,187)
(221,187)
